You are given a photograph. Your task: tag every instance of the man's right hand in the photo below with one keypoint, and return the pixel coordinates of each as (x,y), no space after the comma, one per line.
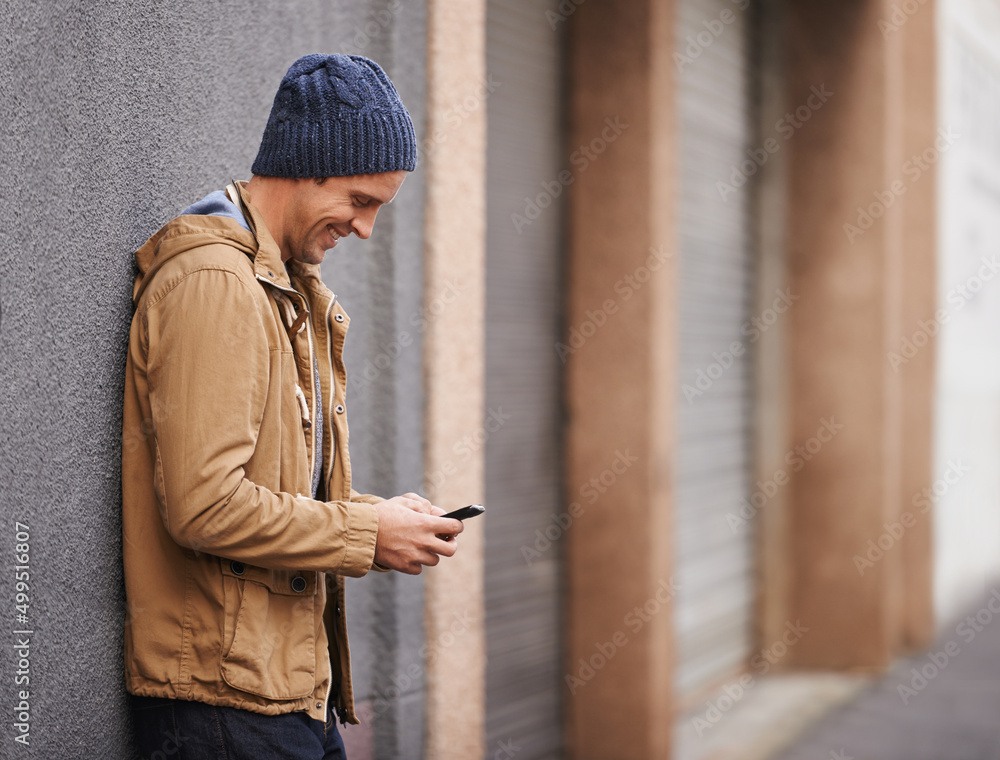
(409,527)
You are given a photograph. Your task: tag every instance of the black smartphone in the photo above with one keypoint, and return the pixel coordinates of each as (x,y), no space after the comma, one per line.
(473,510)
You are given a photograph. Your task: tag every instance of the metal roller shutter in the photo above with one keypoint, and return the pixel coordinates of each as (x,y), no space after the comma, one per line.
(713,617)
(523,381)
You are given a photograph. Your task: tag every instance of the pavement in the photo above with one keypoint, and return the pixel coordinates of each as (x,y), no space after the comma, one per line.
(942,704)
(764,718)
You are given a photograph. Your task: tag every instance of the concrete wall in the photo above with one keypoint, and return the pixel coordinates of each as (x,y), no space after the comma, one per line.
(116,116)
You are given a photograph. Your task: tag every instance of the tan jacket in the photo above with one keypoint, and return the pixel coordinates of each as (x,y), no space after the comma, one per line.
(228,564)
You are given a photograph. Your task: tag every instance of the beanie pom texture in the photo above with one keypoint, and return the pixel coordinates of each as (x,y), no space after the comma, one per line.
(334,116)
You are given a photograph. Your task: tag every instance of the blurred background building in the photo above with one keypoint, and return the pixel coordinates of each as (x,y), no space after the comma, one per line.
(698,297)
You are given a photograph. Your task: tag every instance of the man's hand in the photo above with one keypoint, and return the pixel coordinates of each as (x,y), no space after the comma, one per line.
(410,534)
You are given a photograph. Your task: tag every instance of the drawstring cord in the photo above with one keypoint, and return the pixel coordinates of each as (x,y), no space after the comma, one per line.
(296,324)
(303,406)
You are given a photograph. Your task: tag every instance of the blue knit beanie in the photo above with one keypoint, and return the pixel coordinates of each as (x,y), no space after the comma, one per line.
(333,116)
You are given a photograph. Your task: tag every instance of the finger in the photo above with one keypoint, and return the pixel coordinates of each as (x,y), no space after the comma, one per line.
(447,547)
(418,504)
(449,527)
(429,557)
(437,511)
(419,499)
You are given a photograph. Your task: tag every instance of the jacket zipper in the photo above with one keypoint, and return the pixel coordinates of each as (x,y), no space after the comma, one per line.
(329,475)
(333,394)
(312,409)
(312,375)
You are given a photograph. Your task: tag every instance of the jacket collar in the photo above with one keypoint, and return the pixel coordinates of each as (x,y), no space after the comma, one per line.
(268,265)
(267,262)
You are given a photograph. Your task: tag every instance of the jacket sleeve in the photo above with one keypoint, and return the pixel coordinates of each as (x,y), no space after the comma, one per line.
(365,498)
(208,374)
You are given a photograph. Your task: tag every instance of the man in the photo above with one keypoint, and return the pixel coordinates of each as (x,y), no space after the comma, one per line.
(239,520)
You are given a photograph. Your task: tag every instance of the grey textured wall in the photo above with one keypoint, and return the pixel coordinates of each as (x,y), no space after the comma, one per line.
(116,116)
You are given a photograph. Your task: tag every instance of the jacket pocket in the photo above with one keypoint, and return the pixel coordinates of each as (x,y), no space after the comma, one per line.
(269,640)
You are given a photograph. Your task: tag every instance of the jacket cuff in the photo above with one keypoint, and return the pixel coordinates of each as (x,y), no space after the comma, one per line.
(362,530)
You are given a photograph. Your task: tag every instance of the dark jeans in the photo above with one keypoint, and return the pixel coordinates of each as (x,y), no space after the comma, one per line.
(175,729)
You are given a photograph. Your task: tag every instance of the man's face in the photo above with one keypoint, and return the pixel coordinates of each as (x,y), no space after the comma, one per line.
(318,215)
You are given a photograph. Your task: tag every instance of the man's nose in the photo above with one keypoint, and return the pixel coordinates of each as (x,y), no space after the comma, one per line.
(364,223)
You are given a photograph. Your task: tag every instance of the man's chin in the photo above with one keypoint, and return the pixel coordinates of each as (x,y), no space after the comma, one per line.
(311,258)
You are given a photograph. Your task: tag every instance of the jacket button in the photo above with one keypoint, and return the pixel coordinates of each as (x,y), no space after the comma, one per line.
(339,317)
(319,705)
(339,408)
(237,567)
(298,584)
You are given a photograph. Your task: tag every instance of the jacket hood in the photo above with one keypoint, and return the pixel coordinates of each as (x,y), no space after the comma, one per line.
(190,231)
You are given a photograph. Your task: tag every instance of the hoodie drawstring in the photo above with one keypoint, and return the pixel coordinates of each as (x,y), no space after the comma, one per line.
(296,324)
(303,406)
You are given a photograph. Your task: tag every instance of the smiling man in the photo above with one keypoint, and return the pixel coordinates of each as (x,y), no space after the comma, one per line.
(239,520)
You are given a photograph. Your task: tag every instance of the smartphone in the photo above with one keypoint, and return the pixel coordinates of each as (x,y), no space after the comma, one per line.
(473,510)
